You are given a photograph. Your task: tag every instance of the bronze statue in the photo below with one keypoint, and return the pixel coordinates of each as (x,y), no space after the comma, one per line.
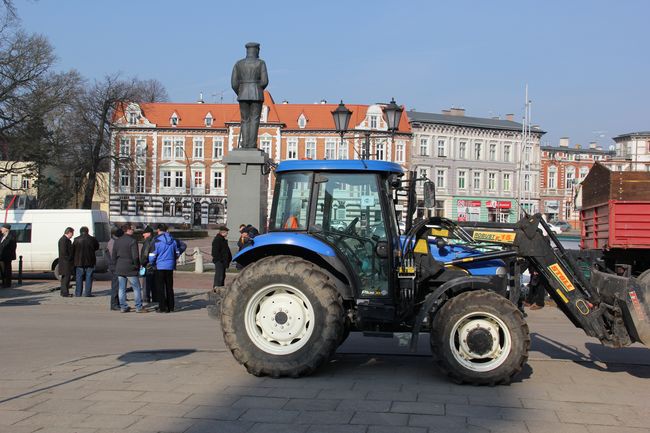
(249,79)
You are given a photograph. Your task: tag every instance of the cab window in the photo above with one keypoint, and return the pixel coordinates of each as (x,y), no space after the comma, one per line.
(291,202)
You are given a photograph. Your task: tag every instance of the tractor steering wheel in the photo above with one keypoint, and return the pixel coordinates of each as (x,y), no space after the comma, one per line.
(350,228)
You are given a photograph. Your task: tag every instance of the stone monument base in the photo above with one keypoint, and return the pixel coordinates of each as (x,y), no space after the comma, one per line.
(247,191)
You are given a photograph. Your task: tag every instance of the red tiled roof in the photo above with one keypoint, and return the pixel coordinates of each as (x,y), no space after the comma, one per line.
(192,115)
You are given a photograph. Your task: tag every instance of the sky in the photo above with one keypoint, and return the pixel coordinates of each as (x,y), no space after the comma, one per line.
(585,62)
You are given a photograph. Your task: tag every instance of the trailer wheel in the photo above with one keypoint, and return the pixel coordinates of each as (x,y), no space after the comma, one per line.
(481,338)
(282,317)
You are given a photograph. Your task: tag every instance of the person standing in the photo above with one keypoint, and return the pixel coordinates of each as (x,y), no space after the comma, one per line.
(85,259)
(66,261)
(221,256)
(163,257)
(127,265)
(7,254)
(149,273)
(115,285)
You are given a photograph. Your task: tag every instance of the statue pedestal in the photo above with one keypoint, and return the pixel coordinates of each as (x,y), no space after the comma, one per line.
(247,191)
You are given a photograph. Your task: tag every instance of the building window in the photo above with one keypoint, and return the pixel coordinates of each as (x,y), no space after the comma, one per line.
(292,148)
(167,179)
(492,181)
(266,147)
(462,150)
(461,179)
(167,148)
(342,150)
(25,183)
(217,179)
(124,177)
(583,172)
(423,172)
(424,146)
(527,153)
(133,118)
(302,121)
(399,151)
(14,181)
(551,181)
(440,178)
(217,148)
(330,148)
(179,148)
(477,180)
(166,209)
(198,179)
(178,208)
(174,120)
(310,149)
(139,181)
(125,146)
(506,182)
(570,176)
(380,147)
(477,151)
(197,153)
(179,179)
(506,153)
(139,207)
(140,150)
(526,182)
(124,207)
(493,152)
(208,120)
(441,148)
(373,122)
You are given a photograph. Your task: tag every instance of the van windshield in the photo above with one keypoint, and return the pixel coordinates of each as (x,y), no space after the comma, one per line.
(102,232)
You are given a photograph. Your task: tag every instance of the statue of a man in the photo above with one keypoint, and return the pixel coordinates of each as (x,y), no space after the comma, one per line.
(249,79)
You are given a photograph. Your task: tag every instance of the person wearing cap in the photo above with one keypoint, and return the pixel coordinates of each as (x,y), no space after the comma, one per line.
(85,259)
(249,79)
(7,253)
(221,256)
(66,262)
(149,273)
(116,233)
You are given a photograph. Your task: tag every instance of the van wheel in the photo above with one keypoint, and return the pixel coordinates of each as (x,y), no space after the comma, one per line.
(57,274)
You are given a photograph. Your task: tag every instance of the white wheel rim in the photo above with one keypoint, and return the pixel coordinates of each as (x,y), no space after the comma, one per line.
(487,323)
(279,319)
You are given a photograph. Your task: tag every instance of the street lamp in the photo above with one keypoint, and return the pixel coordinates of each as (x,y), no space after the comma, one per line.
(392,115)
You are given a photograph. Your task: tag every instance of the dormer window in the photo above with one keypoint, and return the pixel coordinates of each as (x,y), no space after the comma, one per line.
(174,120)
(133,118)
(302,121)
(208,120)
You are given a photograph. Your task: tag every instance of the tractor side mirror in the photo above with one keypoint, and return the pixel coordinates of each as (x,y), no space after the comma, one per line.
(429,190)
(381,250)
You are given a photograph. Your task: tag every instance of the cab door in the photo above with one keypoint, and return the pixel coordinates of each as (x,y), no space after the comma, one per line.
(348,214)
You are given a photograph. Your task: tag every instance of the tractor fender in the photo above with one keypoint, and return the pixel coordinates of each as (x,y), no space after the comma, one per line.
(453,287)
(306,247)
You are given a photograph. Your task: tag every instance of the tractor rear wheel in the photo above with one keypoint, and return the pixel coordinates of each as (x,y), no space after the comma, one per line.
(481,338)
(282,317)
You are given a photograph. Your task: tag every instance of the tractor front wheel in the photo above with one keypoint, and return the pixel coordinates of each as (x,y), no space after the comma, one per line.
(481,338)
(282,317)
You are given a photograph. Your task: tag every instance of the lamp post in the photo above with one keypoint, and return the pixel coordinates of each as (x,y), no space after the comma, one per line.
(392,115)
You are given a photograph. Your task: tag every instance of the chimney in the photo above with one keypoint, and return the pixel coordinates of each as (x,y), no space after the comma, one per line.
(200,101)
(285,102)
(564,142)
(323,101)
(593,145)
(578,146)
(457,111)
(446,112)
(510,117)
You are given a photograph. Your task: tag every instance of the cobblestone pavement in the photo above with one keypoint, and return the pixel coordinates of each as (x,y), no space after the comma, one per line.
(69,365)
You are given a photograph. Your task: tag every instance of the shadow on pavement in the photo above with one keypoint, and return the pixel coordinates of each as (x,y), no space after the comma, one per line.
(632,360)
(189,301)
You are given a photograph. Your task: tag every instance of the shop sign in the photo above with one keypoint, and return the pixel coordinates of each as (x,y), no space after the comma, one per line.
(494,204)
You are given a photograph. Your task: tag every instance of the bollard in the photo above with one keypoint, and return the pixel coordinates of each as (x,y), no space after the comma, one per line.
(20,270)
(182,259)
(198,261)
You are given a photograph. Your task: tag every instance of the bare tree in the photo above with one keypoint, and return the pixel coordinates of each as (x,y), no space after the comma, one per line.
(90,121)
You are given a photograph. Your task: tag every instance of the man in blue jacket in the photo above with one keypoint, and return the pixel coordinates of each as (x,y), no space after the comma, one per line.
(163,258)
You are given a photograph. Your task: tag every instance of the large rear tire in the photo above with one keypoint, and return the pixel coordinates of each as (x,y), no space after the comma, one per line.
(282,317)
(481,338)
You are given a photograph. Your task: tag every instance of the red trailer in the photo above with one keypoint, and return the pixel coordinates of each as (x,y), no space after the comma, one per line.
(615,219)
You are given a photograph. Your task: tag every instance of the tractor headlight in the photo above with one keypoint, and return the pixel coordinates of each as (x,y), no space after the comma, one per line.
(501,271)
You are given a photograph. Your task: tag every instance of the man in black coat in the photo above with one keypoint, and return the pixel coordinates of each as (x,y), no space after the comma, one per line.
(221,256)
(126,257)
(149,275)
(85,259)
(115,234)
(7,253)
(66,261)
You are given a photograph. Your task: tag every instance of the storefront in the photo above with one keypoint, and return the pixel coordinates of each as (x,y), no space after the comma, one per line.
(484,210)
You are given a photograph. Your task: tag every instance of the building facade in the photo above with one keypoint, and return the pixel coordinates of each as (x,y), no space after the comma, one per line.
(562,169)
(482,167)
(170,155)
(632,152)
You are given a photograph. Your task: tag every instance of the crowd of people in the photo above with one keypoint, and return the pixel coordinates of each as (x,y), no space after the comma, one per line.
(154,262)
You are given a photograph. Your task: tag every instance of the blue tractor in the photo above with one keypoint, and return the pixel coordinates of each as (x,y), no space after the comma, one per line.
(334,261)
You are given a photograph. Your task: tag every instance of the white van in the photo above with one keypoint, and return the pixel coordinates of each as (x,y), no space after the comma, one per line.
(38,232)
